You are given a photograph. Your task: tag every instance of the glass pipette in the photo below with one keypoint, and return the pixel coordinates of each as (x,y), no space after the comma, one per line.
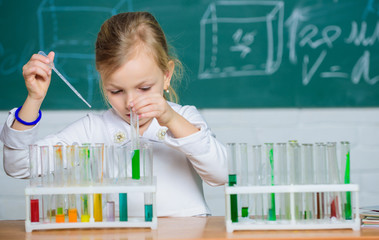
(51,64)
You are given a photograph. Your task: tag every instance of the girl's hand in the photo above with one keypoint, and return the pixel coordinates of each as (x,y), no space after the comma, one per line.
(153,106)
(37,75)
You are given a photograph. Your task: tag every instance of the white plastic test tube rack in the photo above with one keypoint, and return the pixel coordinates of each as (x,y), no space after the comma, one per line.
(251,224)
(133,222)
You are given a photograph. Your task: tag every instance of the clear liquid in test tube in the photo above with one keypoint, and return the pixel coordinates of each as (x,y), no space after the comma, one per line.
(244,178)
(280,153)
(45,171)
(321,178)
(256,180)
(308,178)
(295,167)
(232,171)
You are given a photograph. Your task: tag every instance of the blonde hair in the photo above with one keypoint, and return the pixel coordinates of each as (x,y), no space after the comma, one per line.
(123,35)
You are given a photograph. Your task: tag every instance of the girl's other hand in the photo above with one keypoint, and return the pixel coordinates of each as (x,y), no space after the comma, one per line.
(37,75)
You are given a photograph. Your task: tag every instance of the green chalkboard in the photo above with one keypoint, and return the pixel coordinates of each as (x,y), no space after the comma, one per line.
(237,54)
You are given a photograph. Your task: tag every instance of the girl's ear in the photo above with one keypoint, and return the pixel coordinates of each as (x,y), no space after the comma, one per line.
(168,75)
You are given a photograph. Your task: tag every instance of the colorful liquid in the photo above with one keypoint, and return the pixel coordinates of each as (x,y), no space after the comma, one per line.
(272,211)
(245,212)
(123,207)
(72,215)
(34,210)
(233,199)
(97,208)
(136,164)
(148,213)
(110,209)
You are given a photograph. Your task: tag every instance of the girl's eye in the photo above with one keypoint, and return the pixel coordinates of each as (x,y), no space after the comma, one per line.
(115,91)
(145,88)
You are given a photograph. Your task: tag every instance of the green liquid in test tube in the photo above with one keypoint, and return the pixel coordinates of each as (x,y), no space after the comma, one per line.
(134,129)
(271,202)
(231,148)
(345,155)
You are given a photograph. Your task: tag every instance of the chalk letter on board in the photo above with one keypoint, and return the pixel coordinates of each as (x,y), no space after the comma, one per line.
(307,76)
(362,68)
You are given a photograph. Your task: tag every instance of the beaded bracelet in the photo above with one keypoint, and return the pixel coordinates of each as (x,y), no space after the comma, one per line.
(27,123)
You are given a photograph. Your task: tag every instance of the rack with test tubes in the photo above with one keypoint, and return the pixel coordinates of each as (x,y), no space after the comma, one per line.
(88,186)
(290,186)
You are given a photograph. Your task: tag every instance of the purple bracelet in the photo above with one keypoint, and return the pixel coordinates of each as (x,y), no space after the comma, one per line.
(27,123)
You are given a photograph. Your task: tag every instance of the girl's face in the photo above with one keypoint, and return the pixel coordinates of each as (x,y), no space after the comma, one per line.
(138,76)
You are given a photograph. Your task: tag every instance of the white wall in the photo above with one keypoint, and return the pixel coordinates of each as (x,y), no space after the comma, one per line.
(255,126)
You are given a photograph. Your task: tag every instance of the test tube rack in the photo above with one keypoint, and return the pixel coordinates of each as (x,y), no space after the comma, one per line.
(293,224)
(133,222)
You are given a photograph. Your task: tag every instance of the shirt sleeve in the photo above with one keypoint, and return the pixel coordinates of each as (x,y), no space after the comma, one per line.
(16,143)
(205,152)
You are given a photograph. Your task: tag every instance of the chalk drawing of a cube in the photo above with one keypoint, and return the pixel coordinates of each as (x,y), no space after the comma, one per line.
(241,38)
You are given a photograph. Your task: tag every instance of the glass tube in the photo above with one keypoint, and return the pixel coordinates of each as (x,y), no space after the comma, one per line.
(232,170)
(147,151)
(109,179)
(308,178)
(295,175)
(135,148)
(84,180)
(121,160)
(256,180)
(45,170)
(58,168)
(97,166)
(345,163)
(34,182)
(244,179)
(280,153)
(270,180)
(334,178)
(321,178)
(71,167)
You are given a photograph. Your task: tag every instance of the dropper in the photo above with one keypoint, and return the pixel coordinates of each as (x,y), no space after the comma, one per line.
(51,64)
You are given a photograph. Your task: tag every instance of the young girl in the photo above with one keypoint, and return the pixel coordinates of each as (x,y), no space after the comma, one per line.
(133,60)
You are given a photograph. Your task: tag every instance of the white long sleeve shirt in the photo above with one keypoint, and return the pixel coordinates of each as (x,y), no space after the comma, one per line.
(180,165)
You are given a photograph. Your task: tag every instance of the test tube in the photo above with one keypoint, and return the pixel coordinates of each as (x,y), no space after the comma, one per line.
(148,176)
(45,169)
(295,176)
(110,178)
(122,163)
(244,180)
(308,178)
(256,180)
(232,170)
(135,151)
(333,178)
(321,178)
(270,180)
(71,168)
(58,167)
(97,165)
(34,182)
(280,154)
(84,180)
(345,162)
